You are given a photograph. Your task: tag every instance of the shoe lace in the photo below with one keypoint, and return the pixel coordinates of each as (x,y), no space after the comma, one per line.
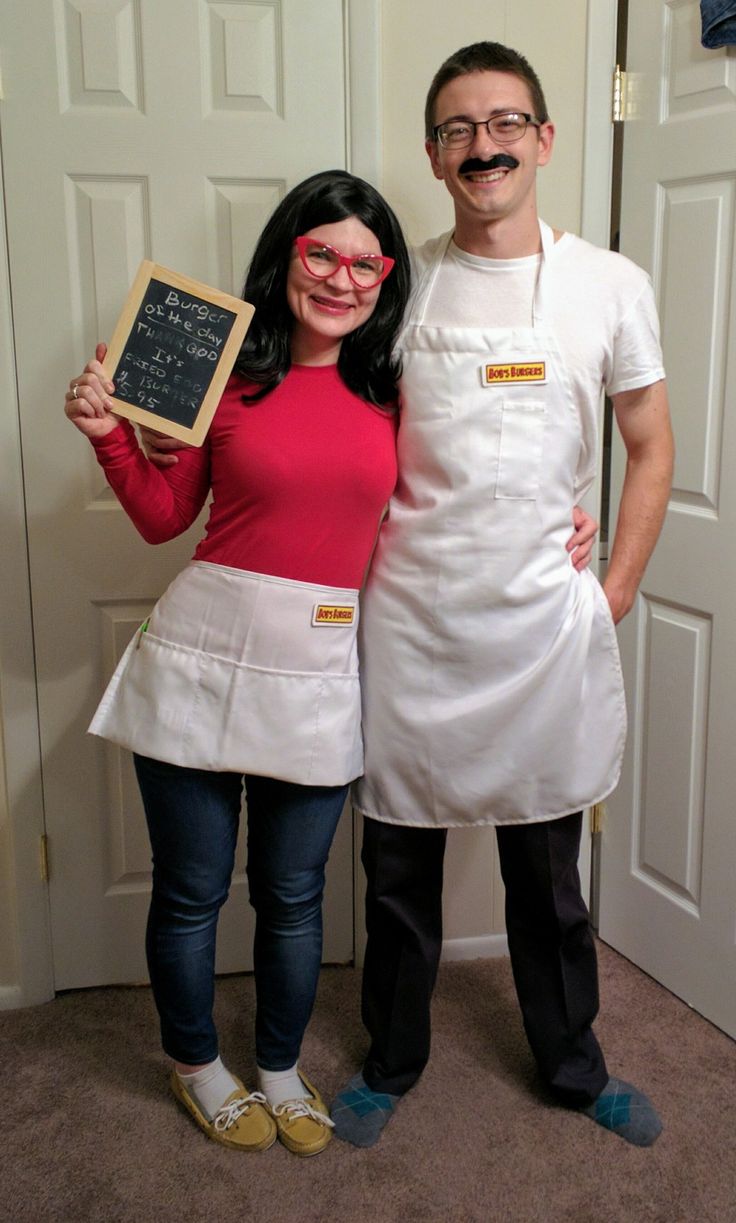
(229,1113)
(292,1109)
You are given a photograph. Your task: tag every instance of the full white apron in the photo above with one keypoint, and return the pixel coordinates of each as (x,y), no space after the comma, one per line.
(492,687)
(241,672)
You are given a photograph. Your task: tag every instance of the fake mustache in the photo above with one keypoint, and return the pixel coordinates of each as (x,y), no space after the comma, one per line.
(499,161)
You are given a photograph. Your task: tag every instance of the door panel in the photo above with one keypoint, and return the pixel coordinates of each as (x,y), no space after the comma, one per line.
(161,129)
(668,878)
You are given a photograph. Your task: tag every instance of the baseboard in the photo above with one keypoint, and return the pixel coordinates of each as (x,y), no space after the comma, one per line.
(11,997)
(484,947)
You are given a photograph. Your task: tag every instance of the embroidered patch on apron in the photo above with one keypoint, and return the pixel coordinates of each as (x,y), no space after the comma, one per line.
(521,371)
(333,613)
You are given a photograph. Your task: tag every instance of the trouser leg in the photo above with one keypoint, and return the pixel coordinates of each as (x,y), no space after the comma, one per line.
(290,832)
(404,868)
(192,818)
(553,954)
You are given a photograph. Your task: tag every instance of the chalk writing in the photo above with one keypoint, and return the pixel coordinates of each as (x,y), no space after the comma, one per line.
(174,344)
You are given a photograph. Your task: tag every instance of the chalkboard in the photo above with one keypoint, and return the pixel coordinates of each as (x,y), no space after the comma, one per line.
(172,351)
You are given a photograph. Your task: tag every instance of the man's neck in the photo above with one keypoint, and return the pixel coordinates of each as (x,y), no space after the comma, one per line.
(500,238)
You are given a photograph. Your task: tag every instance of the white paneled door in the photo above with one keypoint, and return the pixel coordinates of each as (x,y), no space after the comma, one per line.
(668,878)
(162,129)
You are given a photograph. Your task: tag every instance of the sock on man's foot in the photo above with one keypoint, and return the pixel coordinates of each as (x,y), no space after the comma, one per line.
(360,1114)
(626,1111)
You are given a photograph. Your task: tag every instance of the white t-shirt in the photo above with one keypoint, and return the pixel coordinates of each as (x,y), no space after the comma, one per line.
(601,310)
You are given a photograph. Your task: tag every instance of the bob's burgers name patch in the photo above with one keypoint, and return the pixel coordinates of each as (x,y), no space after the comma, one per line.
(334,613)
(515,371)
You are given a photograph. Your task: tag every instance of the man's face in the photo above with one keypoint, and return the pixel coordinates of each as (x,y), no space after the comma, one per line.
(481,190)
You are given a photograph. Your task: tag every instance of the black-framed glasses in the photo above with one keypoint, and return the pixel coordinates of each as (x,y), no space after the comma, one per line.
(505,128)
(322,261)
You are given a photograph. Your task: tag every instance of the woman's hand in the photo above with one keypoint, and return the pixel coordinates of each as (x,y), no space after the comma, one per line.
(580,543)
(87,403)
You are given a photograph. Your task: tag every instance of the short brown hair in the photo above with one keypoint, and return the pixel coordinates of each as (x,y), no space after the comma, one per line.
(484,57)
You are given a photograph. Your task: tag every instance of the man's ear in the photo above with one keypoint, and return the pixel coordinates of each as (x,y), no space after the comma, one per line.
(432,148)
(545,141)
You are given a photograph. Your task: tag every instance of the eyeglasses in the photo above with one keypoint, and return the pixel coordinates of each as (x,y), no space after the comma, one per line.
(505,128)
(323,261)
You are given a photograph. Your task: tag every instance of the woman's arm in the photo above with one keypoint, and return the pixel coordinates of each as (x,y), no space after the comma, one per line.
(161,504)
(580,543)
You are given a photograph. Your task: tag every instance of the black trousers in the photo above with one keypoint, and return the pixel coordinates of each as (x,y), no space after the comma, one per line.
(550,943)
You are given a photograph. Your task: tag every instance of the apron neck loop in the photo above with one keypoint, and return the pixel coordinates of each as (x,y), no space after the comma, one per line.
(426,285)
(424,289)
(539,300)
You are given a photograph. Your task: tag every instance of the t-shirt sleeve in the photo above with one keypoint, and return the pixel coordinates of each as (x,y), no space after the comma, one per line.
(636,358)
(160,502)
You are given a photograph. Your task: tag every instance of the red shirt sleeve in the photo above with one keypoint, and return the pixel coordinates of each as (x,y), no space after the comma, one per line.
(160,502)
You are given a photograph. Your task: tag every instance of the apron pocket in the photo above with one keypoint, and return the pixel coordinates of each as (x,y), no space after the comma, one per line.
(193,709)
(151,701)
(520,450)
(301,727)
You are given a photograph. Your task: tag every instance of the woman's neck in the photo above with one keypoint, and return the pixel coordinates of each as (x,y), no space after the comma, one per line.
(313,350)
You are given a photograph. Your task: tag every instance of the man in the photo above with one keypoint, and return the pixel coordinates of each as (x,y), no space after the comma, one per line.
(492,687)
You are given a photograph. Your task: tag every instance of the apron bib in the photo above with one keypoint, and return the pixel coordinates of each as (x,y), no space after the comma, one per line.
(492,690)
(245,673)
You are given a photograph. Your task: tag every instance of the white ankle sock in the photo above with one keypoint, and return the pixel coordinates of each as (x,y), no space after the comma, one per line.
(210,1086)
(280,1085)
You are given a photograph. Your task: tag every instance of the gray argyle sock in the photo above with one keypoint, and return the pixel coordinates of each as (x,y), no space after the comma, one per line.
(360,1114)
(627,1111)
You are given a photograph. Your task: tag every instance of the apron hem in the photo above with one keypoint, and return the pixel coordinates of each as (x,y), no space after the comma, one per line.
(490,822)
(295,777)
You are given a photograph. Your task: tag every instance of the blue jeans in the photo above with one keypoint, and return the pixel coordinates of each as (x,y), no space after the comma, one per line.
(718,20)
(193,819)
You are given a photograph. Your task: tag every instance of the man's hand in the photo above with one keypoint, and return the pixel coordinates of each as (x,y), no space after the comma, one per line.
(159,448)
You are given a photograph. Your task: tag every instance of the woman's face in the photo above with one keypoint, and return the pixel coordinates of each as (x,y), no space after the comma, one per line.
(325,311)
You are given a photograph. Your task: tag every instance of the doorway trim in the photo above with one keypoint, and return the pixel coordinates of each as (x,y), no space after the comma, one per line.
(598,128)
(595,212)
(27,944)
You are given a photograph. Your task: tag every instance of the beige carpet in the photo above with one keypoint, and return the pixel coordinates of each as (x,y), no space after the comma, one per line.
(90,1133)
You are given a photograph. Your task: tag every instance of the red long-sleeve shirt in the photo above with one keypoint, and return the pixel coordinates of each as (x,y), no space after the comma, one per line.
(299,480)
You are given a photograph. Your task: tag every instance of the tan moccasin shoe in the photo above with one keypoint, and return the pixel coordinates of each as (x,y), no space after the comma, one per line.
(304,1126)
(241,1123)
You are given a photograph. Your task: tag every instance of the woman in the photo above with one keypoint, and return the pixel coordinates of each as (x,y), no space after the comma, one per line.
(246,672)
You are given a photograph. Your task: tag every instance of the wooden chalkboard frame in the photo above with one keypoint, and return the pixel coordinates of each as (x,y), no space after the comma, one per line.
(216,376)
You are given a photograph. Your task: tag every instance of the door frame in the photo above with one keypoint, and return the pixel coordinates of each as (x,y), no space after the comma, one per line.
(22,821)
(595,227)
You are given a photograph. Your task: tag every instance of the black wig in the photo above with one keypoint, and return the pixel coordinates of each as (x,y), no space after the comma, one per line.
(366,362)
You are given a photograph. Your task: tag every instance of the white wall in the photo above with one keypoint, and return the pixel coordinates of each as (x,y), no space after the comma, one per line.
(8,958)
(418,35)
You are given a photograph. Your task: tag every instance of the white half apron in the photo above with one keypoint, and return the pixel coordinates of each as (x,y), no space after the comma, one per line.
(245,673)
(492,687)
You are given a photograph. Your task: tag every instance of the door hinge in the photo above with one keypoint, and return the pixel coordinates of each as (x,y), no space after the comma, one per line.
(618,100)
(597,818)
(44,857)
